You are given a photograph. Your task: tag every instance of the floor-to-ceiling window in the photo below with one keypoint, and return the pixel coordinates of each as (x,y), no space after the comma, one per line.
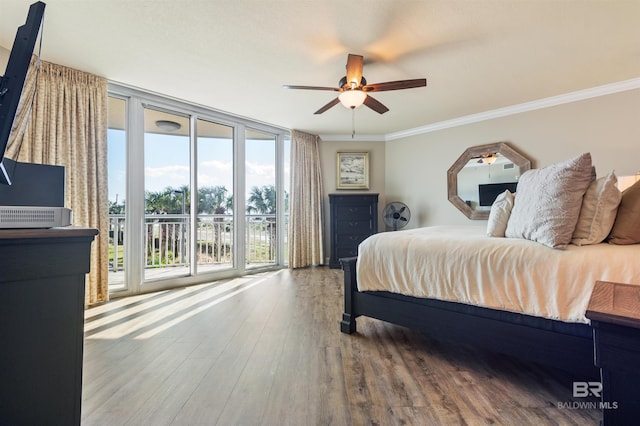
(175,171)
(261,199)
(215,181)
(286,174)
(117,159)
(167,190)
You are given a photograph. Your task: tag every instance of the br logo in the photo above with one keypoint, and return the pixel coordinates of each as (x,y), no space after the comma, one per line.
(585,389)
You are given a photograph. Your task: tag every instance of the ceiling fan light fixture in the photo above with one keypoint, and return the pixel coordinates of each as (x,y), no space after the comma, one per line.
(489,158)
(352,98)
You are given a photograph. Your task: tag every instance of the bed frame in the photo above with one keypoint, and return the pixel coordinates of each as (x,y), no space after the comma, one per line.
(561,345)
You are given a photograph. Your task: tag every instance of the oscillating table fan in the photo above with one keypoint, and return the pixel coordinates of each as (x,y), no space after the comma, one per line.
(396,215)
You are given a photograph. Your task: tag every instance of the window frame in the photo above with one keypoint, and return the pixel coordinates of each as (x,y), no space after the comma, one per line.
(136,101)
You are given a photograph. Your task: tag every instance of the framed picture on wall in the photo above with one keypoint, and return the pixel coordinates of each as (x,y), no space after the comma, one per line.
(352,170)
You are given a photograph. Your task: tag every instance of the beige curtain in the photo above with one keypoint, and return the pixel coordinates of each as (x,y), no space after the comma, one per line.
(67,126)
(305,205)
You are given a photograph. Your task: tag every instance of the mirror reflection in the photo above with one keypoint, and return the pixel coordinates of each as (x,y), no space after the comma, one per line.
(484,177)
(480,174)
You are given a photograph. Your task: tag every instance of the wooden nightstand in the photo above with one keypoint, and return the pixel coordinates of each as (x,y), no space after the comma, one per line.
(614,311)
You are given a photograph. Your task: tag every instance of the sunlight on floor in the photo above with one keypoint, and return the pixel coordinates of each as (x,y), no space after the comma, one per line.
(113,320)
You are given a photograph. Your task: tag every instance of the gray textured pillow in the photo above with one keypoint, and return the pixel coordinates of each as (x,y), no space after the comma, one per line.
(499,214)
(548,203)
(598,212)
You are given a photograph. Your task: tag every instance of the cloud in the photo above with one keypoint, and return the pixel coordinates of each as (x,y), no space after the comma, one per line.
(263,170)
(217,165)
(214,172)
(158,178)
(173,172)
(207,179)
(210,173)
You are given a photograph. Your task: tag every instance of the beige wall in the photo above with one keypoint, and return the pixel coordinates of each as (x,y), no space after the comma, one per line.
(4,58)
(328,152)
(607,126)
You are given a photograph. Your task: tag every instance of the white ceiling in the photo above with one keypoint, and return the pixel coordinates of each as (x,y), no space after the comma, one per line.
(234,56)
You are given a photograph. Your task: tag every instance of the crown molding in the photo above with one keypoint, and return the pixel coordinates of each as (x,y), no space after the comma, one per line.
(357,138)
(593,92)
(566,98)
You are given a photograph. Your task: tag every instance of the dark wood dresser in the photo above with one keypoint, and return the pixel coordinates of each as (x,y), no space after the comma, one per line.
(42,279)
(353,218)
(614,311)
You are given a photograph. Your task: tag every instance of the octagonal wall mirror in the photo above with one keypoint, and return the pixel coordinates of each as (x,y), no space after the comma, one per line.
(480,174)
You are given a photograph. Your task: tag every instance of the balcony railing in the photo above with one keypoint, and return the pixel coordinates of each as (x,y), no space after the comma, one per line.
(167,240)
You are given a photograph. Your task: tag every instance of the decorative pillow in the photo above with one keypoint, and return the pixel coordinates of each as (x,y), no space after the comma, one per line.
(626,228)
(499,214)
(548,203)
(598,212)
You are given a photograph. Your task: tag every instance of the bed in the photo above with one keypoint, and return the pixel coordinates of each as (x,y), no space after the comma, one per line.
(509,295)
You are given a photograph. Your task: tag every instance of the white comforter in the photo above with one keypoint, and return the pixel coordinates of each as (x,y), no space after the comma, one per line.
(462,264)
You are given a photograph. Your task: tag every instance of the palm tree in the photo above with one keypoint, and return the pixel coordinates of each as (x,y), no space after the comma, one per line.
(167,201)
(262,200)
(214,200)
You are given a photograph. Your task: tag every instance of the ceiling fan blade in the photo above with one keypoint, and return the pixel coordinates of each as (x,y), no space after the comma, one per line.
(395,85)
(375,105)
(354,69)
(288,86)
(333,103)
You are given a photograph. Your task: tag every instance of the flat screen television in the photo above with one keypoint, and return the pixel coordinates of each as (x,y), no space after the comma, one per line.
(488,192)
(13,80)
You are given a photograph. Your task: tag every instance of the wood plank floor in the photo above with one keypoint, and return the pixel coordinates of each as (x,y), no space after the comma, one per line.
(267,349)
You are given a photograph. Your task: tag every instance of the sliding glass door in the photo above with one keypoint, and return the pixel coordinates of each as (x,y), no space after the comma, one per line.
(261,199)
(215,222)
(175,170)
(167,190)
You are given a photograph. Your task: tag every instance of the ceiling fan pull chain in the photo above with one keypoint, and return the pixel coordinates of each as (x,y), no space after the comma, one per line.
(353,123)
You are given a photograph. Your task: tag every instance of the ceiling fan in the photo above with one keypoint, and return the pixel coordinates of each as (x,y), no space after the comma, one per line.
(354,90)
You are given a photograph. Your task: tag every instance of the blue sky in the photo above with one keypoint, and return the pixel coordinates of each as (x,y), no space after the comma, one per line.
(167,162)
